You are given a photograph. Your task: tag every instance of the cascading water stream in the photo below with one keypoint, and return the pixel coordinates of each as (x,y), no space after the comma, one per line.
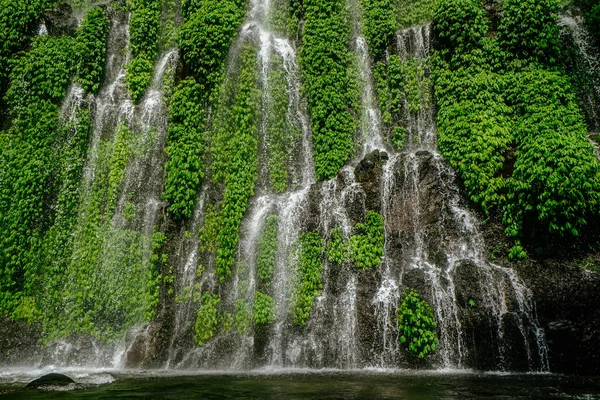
(415,182)
(289,206)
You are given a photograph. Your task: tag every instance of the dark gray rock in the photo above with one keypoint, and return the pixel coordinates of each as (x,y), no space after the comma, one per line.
(53,379)
(60,20)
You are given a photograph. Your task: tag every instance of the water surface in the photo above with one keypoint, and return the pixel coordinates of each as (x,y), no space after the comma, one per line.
(301,385)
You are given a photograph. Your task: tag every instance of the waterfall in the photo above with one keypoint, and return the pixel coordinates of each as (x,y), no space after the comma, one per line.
(425,216)
(276,55)
(590,56)
(432,241)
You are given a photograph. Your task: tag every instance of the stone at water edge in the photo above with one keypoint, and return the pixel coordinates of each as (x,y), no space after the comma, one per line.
(52,379)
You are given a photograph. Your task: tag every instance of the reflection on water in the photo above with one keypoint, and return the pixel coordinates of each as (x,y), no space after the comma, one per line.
(301,384)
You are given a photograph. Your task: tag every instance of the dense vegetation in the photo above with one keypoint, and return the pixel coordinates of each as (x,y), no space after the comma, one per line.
(416,324)
(310,266)
(91,49)
(325,59)
(144,32)
(29,163)
(204,38)
(509,121)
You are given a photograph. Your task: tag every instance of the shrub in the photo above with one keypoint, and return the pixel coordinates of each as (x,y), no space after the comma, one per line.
(325,59)
(90,49)
(529,30)
(207,319)
(310,266)
(416,324)
(367,245)
(144,32)
(264,309)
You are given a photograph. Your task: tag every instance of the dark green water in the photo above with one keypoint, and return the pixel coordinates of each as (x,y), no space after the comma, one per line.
(324,385)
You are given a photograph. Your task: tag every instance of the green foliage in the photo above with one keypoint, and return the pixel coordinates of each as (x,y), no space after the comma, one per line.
(416,324)
(30,157)
(380,25)
(460,26)
(264,309)
(267,250)
(110,282)
(591,264)
(310,266)
(556,182)
(475,131)
(205,37)
(337,248)
(415,12)
(207,319)
(325,59)
(234,157)
(19,22)
(517,252)
(122,151)
(90,49)
(514,132)
(144,32)
(242,316)
(529,30)
(185,149)
(367,245)
(210,232)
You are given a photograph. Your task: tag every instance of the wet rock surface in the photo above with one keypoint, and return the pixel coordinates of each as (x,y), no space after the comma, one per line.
(50,380)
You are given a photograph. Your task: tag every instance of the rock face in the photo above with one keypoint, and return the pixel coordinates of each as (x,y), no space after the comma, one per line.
(568,307)
(60,20)
(53,379)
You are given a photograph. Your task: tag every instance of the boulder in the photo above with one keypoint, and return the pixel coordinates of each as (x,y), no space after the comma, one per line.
(52,379)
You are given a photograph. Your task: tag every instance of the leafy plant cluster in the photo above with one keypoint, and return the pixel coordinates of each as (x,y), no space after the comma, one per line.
(185,150)
(267,250)
(204,38)
(310,266)
(365,248)
(111,276)
(508,119)
(325,59)
(90,49)
(264,309)
(416,324)
(414,12)
(29,155)
(234,154)
(380,25)
(19,22)
(207,319)
(144,33)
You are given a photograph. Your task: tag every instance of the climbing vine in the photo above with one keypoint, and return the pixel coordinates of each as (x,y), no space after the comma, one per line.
(416,324)
(325,59)
(207,319)
(144,32)
(90,49)
(310,266)
(27,154)
(264,309)
(234,157)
